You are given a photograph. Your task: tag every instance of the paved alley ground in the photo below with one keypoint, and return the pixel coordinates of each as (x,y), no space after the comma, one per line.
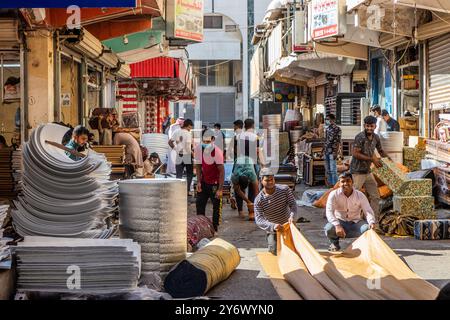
(429,259)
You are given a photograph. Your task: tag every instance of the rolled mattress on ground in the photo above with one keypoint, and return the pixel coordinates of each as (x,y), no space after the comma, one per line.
(203,270)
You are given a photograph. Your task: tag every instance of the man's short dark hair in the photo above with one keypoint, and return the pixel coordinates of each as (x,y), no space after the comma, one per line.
(154,155)
(218,126)
(249,123)
(80,130)
(384,113)
(331,117)
(370,120)
(187,123)
(376,108)
(239,124)
(346,175)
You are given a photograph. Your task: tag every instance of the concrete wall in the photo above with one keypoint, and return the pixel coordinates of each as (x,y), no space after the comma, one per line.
(40,78)
(69,85)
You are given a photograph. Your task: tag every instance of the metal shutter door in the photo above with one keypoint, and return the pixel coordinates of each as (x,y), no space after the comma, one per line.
(439,72)
(217,107)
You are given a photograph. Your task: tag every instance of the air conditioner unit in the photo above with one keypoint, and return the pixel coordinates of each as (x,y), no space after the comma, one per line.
(231,28)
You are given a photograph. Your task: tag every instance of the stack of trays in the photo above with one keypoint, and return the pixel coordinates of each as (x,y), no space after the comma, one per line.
(157,142)
(62,197)
(17,168)
(272,121)
(116,156)
(88,266)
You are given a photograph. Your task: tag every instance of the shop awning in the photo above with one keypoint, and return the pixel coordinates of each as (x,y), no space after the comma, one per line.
(434,5)
(163,76)
(58,17)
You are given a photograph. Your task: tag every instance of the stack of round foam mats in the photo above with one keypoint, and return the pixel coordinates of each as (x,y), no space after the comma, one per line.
(198,228)
(156,142)
(203,270)
(153,212)
(62,197)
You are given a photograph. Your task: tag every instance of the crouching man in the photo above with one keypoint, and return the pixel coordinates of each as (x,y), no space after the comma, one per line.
(344,208)
(275,205)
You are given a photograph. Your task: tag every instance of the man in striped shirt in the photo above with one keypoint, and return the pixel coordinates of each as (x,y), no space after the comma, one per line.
(275,205)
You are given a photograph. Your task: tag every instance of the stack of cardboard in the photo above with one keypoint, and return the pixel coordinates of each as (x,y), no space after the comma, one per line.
(115,155)
(411,196)
(8,188)
(409,126)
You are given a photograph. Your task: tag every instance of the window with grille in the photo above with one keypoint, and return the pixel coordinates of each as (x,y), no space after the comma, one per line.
(214,73)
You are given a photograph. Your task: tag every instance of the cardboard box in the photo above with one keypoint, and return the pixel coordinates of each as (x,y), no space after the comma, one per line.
(411,84)
(417,142)
(409,123)
(415,205)
(7,284)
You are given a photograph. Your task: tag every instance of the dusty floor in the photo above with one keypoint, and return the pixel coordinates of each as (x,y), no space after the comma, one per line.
(429,259)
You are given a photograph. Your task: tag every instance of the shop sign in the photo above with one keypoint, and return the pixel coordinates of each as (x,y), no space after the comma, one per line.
(352,4)
(325,18)
(284,92)
(186,17)
(65,100)
(300,34)
(67,3)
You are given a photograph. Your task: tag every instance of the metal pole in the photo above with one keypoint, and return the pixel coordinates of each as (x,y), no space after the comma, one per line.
(57,77)
(1,76)
(23,92)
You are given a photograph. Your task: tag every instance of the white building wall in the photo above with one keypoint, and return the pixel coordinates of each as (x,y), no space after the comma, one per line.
(221,45)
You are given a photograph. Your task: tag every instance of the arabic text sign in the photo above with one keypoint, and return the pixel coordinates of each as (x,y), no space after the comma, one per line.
(67,3)
(325,18)
(189,19)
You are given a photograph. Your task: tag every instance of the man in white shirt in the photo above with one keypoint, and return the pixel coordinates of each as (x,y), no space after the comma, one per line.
(181,142)
(381,123)
(344,208)
(172,154)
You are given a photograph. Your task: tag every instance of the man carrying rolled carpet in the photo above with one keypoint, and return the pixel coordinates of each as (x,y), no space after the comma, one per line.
(275,205)
(344,207)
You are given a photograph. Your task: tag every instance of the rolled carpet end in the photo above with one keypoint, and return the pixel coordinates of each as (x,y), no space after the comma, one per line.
(203,270)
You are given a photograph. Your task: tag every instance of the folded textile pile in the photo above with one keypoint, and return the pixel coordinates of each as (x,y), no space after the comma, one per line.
(62,197)
(411,196)
(432,229)
(412,157)
(77,265)
(198,228)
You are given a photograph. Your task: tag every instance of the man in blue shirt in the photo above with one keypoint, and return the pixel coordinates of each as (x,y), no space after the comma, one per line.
(80,137)
(392,124)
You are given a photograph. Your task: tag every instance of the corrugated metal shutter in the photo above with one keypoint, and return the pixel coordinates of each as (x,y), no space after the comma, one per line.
(217,107)
(439,72)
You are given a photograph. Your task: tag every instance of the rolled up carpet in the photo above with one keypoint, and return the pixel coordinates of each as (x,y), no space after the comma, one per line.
(203,270)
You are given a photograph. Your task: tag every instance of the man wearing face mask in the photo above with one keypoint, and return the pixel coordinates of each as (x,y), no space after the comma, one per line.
(331,148)
(210,176)
(362,158)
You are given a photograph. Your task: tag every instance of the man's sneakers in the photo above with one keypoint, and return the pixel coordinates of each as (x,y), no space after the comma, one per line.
(334,248)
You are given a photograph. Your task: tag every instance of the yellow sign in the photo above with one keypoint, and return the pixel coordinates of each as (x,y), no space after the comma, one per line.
(189,20)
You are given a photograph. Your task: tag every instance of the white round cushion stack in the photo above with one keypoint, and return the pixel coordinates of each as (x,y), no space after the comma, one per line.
(392,143)
(157,142)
